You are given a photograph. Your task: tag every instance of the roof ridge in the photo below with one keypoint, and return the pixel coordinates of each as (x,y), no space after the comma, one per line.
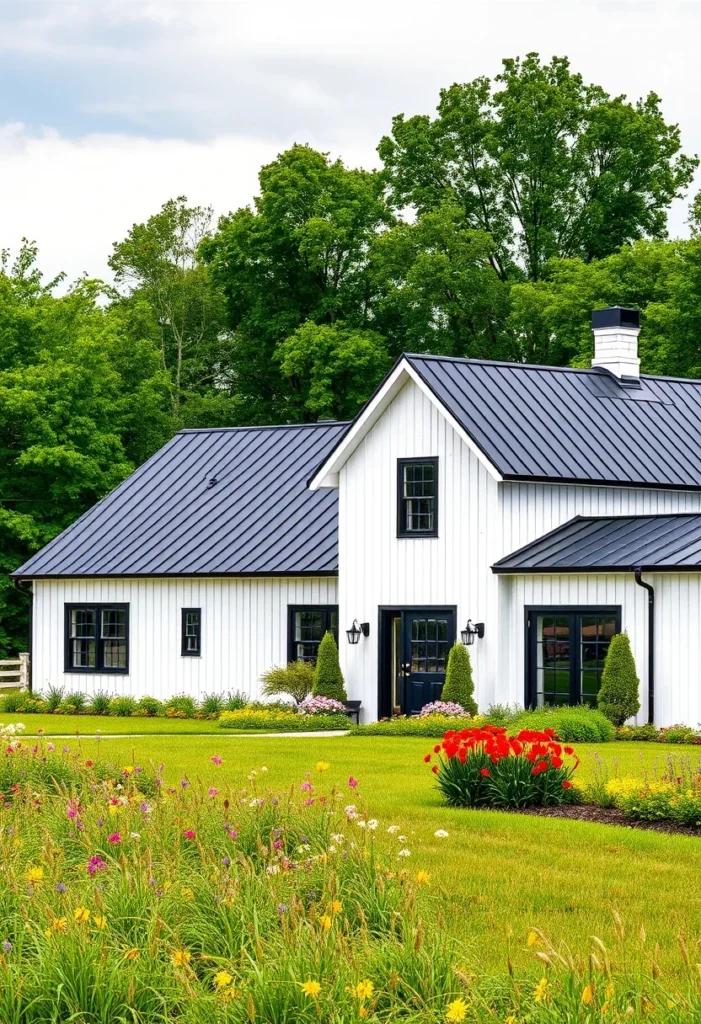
(263,426)
(538,366)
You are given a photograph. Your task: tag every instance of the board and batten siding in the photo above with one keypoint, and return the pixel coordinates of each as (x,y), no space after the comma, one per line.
(480,521)
(376,568)
(244,631)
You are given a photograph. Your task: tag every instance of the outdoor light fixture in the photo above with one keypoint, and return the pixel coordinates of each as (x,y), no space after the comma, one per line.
(356,629)
(471,630)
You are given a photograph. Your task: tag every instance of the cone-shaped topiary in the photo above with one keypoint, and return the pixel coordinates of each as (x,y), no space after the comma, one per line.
(620,687)
(328,678)
(458,686)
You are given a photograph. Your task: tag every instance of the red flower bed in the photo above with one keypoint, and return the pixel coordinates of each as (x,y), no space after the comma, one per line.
(484,767)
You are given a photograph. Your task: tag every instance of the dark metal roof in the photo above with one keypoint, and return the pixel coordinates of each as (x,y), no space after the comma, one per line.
(170,518)
(573,426)
(612,544)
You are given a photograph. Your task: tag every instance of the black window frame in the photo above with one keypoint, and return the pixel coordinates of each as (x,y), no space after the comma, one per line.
(184,652)
(99,668)
(402,530)
(577,612)
(327,609)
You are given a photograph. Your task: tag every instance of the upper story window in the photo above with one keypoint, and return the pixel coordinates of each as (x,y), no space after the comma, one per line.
(417,498)
(306,628)
(191,645)
(97,638)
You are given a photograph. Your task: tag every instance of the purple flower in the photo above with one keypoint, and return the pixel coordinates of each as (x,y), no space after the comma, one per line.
(282,908)
(97,863)
(100,822)
(226,861)
(66,750)
(7,946)
(60,887)
(278,844)
(184,783)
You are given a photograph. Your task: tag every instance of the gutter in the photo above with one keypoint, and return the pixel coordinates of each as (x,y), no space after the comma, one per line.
(650,644)
(28,592)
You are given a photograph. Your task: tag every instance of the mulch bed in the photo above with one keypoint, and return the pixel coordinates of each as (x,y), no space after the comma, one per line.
(609,816)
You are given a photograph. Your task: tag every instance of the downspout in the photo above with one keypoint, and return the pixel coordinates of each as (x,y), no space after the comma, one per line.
(650,644)
(28,592)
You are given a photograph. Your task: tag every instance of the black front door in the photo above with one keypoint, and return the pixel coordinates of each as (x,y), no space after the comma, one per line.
(426,639)
(566,651)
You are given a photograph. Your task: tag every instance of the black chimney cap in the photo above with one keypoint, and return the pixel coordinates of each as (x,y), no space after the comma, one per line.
(615,316)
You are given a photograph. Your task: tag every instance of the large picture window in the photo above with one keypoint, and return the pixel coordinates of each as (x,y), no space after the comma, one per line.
(97,638)
(566,652)
(417,498)
(306,627)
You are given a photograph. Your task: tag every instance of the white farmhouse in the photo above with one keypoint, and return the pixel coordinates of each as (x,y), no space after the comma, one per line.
(532,511)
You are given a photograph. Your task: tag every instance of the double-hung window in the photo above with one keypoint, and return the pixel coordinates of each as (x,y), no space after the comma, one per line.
(306,627)
(417,498)
(191,633)
(97,638)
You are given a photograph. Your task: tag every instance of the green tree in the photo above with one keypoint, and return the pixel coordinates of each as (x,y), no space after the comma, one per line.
(546,164)
(619,695)
(328,678)
(301,255)
(459,687)
(158,264)
(332,368)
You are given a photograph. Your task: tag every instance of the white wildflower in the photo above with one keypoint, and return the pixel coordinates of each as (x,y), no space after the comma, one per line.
(372,823)
(440,833)
(361,823)
(404,853)
(392,829)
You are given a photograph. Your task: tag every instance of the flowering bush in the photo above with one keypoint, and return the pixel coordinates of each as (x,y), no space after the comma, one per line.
(676,796)
(666,734)
(484,767)
(320,706)
(447,708)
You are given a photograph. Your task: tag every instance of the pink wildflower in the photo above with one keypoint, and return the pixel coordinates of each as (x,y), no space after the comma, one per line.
(114,838)
(306,786)
(212,791)
(96,864)
(215,759)
(352,782)
(189,833)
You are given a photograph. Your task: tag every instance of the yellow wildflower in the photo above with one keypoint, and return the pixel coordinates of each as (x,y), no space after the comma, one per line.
(325,921)
(423,877)
(187,892)
(322,766)
(229,993)
(180,957)
(222,979)
(59,924)
(311,988)
(81,915)
(131,954)
(532,938)
(35,874)
(510,1019)
(588,994)
(99,920)
(48,933)
(605,1006)
(113,809)
(457,1011)
(336,906)
(541,991)
(610,991)
(128,769)
(364,989)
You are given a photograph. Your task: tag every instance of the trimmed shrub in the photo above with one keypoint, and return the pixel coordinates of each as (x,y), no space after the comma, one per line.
(579,724)
(459,687)
(99,703)
(280,721)
(181,706)
(328,678)
(149,707)
(296,679)
(619,696)
(123,706)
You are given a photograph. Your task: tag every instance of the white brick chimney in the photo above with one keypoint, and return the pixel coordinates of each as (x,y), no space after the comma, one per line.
(616,331)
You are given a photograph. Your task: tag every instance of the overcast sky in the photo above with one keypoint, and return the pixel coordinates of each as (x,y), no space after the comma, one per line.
(110,107)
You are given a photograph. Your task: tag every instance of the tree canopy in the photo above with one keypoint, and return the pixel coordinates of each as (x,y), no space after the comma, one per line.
(491,230)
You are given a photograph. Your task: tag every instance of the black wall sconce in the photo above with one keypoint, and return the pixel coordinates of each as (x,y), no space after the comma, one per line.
(471,630)
(356,629)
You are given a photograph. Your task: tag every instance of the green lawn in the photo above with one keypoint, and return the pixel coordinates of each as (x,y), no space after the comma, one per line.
(496,874)
(90,725)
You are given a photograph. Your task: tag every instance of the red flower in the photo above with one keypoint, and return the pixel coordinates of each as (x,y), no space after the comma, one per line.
(437,749)
(484,771)
(189,833)
(435,769)
(88,764)
(567,785)
(569,750)
(556,762)
(427,758)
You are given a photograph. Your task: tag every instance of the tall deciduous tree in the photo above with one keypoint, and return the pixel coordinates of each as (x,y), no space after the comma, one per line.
(546,164)
(301,255)
(158,264)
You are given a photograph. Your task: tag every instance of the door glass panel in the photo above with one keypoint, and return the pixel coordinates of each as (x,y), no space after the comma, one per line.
(595,637)
(553,659)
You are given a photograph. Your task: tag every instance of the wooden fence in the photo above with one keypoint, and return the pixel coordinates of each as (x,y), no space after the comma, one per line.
(15,673)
